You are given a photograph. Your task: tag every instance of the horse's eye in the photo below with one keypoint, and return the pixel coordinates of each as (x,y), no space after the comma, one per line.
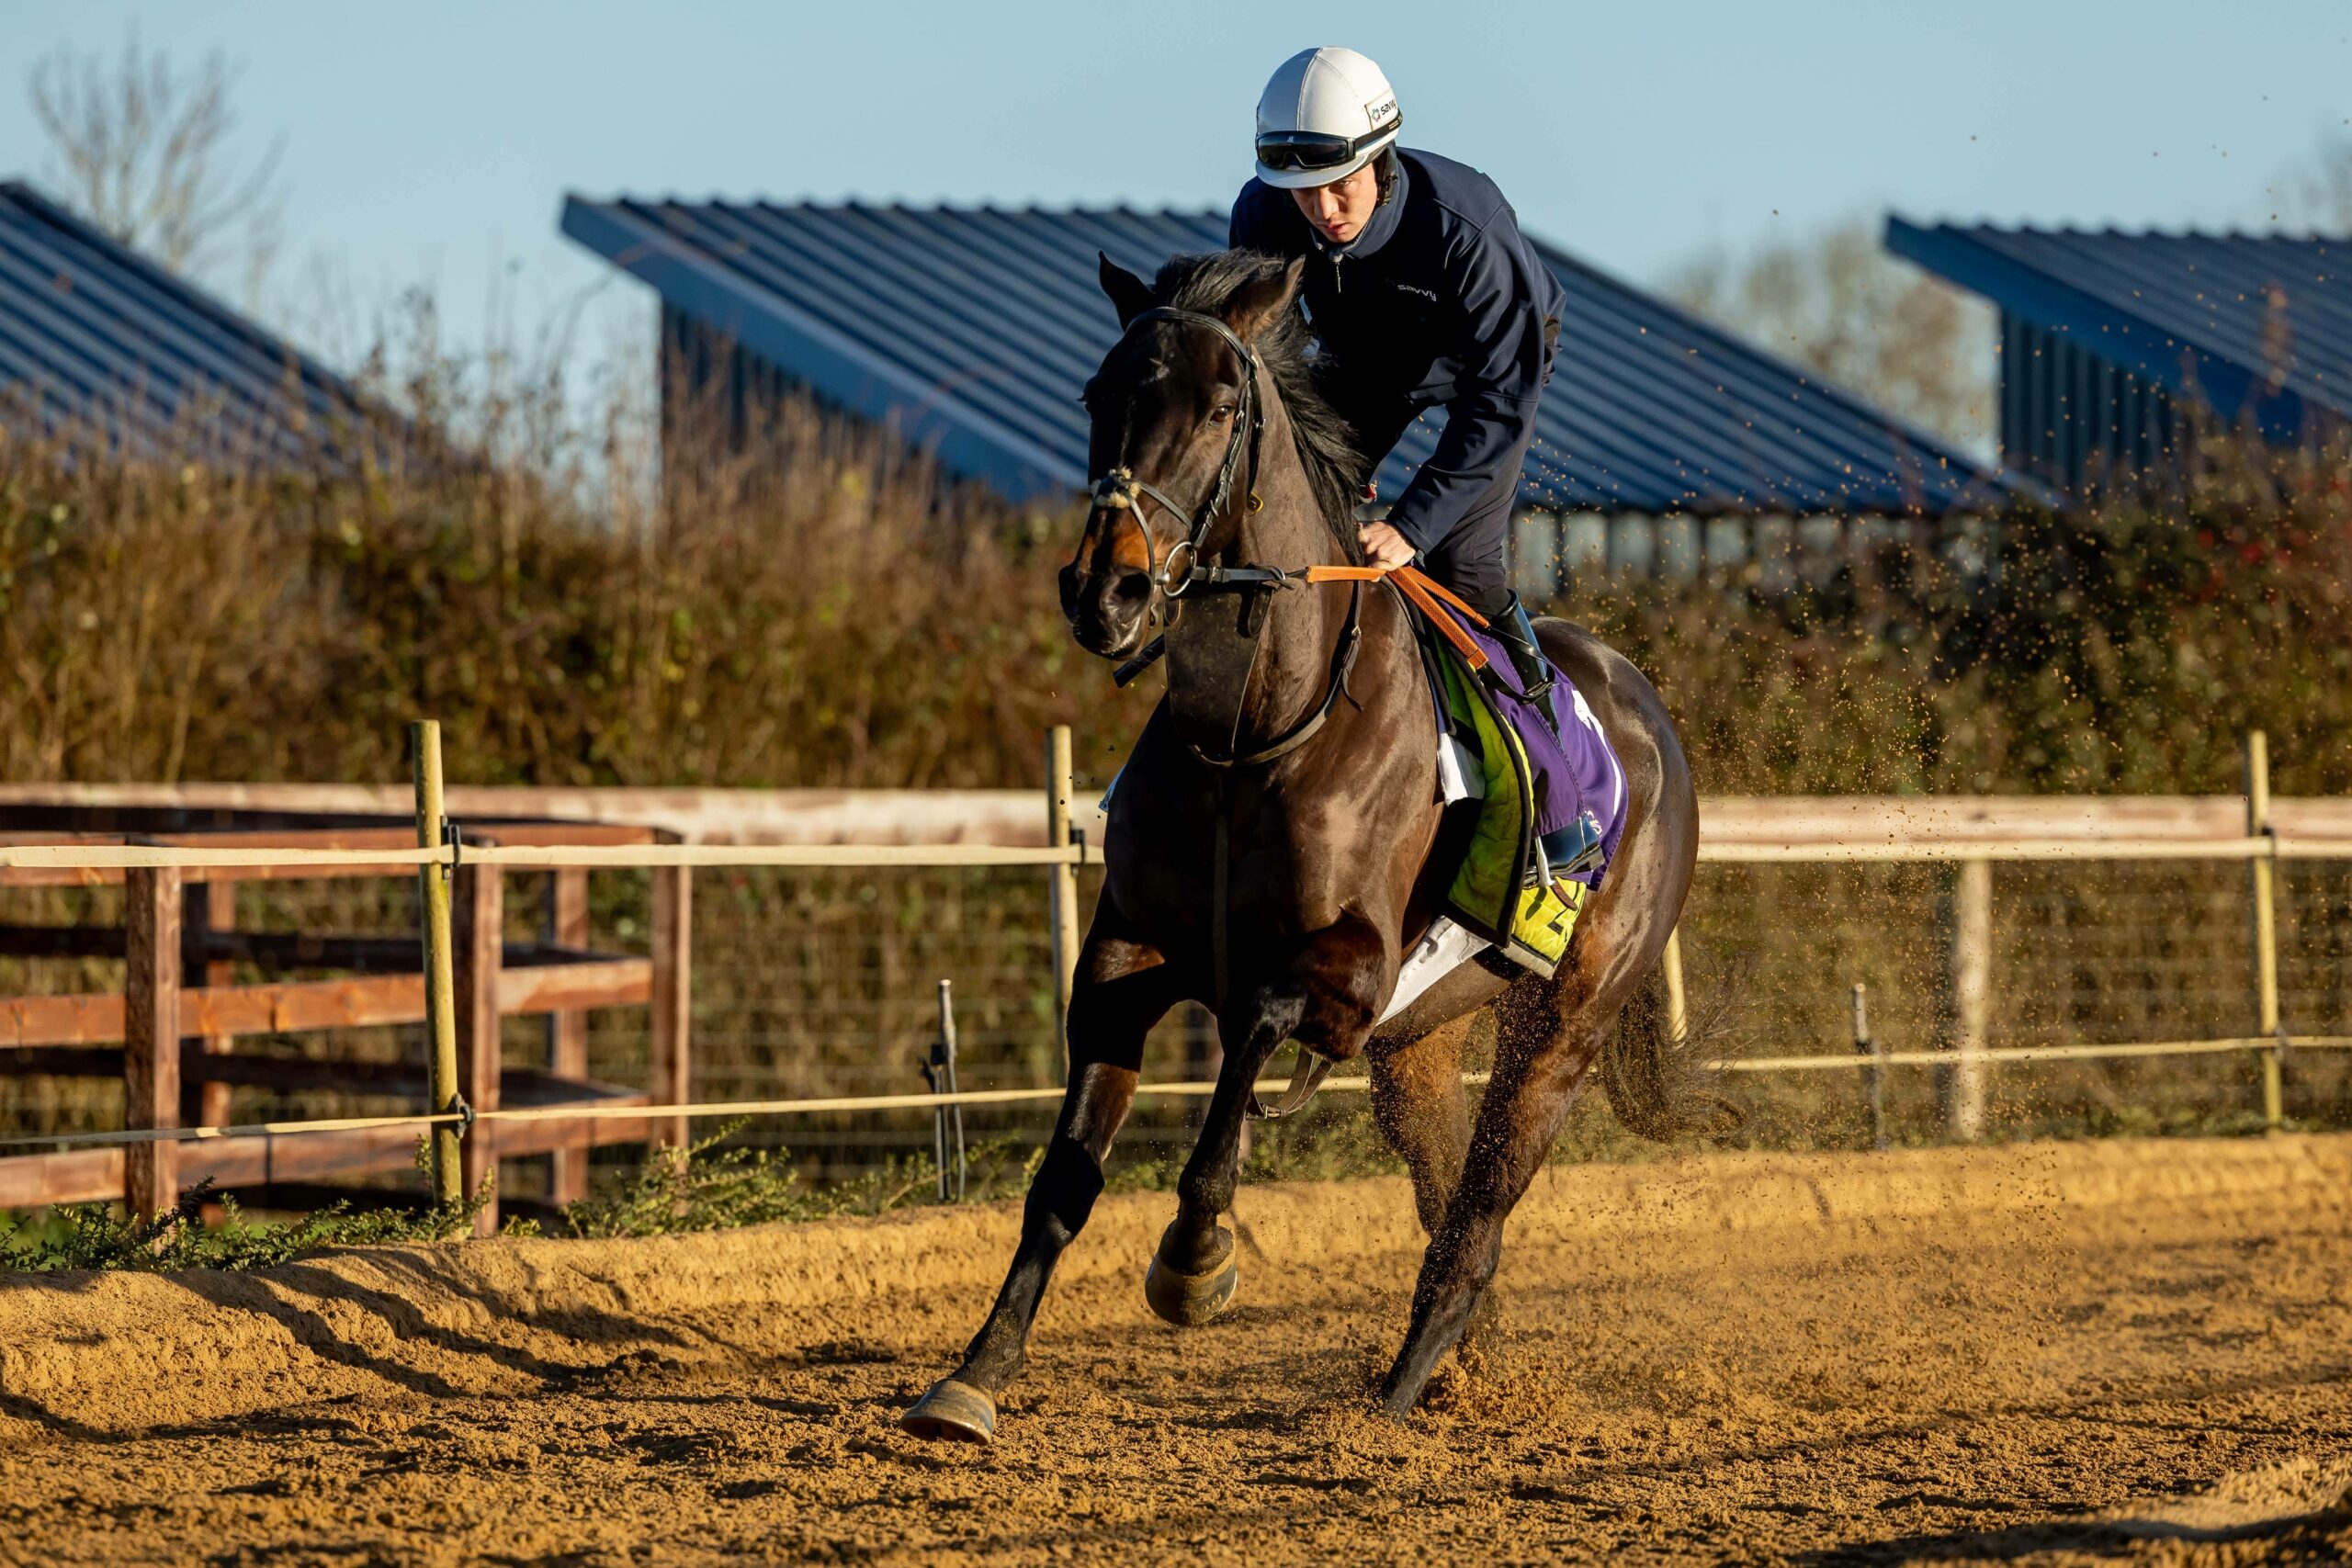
(1221,414)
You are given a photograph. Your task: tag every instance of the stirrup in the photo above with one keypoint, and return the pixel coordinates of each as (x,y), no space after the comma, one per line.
(1567,850)
(1306,1076)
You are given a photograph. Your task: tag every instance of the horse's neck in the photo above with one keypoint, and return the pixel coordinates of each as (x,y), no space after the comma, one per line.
(1228,689)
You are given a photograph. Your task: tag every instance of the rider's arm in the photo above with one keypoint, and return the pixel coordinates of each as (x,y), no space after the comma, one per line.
(1502,352)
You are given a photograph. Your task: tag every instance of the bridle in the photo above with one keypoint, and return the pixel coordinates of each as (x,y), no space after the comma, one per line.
(1120,491)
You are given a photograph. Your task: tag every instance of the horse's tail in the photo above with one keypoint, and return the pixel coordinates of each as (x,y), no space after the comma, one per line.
(1652,1078)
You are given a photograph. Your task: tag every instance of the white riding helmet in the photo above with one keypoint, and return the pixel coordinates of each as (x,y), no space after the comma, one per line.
(1327,113)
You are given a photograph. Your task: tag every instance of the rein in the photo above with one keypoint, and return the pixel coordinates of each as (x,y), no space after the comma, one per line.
(1418,590)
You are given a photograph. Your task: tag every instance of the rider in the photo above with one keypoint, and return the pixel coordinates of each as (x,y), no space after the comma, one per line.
(1421,291)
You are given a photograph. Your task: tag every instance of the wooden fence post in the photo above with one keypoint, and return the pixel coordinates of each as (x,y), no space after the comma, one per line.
(207,908)
(670,1076)
(440,985)
(1062,879)
(568,1031)
(2266,932)
(477,950)
(1972,990)
(151,1036)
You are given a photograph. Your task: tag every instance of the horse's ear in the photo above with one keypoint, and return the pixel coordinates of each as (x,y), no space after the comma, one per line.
(1260,303)
(1130,295)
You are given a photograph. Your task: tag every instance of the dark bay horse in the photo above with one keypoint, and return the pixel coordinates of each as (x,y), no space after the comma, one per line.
(1273,841)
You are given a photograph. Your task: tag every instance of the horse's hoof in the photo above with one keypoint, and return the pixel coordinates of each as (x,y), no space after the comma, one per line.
(1189,1299)
(951,1411)
(1398,1403)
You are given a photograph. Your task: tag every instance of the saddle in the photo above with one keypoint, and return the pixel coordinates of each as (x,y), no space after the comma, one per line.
(1550,806)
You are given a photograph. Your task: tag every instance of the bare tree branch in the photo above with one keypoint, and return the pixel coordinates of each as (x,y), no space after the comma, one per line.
(144,151)
(1837,304)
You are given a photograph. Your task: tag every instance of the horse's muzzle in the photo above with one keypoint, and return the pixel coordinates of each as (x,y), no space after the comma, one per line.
(1109,613)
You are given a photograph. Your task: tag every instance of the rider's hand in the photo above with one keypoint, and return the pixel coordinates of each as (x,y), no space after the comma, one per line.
(1383,545)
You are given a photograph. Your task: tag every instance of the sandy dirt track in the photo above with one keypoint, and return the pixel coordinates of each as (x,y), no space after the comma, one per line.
(2087,1353)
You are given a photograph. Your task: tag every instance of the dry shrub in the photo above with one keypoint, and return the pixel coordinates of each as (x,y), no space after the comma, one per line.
(838,618)
(2125,650)
(835,616)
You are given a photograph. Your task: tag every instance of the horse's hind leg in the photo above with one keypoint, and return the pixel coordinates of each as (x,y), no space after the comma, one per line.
(1122,989)
(1536,1075)
(1418,1105)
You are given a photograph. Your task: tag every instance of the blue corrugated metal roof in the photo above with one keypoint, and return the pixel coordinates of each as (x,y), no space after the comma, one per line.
(974,328)
(91,333)
(2251,324)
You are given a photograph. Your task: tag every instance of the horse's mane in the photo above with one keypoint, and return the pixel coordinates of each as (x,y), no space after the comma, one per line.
(1327,448)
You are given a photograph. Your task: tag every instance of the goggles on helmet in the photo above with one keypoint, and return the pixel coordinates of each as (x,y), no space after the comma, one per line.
(1307,149)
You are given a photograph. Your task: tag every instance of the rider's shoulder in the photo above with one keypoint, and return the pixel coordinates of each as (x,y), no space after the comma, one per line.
(1257,195)
(1266,215)
(1467,195)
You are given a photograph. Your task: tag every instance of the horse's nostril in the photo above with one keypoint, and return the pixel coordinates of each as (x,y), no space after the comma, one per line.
(1133,587)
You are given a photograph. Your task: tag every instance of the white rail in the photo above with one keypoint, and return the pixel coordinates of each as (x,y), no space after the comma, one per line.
(543,857)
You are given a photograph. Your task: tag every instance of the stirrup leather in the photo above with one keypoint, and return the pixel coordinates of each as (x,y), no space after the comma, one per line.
(1517,633)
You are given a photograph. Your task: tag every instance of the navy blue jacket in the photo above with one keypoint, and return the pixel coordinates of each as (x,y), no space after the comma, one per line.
(1440,300)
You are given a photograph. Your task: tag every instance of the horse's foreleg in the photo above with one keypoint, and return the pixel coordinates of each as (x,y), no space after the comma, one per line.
(1325,998)
(1194,1274)
(1525,1105)
(1122,991)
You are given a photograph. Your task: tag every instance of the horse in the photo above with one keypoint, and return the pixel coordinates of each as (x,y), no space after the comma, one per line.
(1274,841)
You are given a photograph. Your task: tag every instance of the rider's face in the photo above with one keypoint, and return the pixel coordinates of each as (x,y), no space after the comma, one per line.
(1341,210)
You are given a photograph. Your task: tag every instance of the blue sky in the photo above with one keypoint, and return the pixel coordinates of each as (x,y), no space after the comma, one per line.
(431,143)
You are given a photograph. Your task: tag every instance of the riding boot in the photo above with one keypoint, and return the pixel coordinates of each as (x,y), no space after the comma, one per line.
(1517,633)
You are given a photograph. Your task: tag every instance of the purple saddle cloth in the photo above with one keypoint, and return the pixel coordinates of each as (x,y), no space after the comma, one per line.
(1575,771)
